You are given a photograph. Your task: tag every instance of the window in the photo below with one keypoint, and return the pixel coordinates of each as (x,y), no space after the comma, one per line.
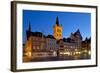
(33,47)
(37,47)
(59,34)
(58,30)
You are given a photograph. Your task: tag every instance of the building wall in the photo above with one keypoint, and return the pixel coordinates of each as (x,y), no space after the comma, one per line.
(28,47)
(77,39)
(57,32)
(38,43)
(51,44)
(86,45)
(67,45)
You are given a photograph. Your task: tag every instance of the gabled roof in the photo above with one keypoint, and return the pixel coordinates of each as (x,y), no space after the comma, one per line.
(50,36)
(77,33)
(37,34)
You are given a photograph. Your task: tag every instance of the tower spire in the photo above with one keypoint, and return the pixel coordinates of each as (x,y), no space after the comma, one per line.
(57,21)
(29,27)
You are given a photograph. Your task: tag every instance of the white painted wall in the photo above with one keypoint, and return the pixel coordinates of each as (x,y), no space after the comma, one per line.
(5,37)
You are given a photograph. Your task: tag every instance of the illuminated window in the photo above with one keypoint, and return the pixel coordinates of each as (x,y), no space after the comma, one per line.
(58,30)
(37,47)
(33,47)
(57,34)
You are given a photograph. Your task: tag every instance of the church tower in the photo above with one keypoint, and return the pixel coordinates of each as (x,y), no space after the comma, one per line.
(57,30)
(28,44)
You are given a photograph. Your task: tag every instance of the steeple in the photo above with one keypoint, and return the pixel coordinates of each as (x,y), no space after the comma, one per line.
(86,39)
(29,28)
(57,21)
(57,30)
(28,32)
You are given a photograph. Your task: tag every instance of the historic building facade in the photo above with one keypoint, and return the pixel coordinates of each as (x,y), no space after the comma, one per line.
(86,46)
(35,42)
(71,44)
(77,38)
(51,44)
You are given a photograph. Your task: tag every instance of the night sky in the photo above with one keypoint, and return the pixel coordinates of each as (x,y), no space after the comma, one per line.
(43,21)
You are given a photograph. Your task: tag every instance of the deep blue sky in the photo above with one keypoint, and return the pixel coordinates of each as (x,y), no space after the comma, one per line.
(43,21)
